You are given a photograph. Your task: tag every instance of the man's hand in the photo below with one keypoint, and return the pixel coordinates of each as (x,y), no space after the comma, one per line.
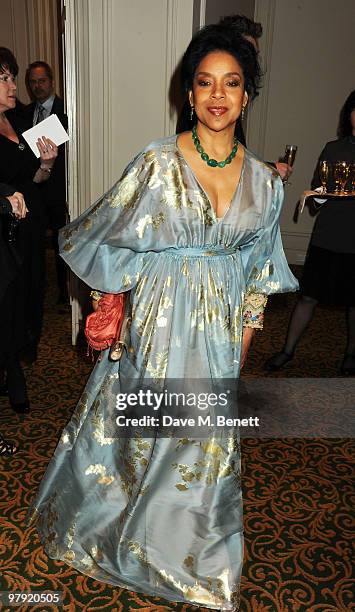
(248,334)
(18,205)
(284,170)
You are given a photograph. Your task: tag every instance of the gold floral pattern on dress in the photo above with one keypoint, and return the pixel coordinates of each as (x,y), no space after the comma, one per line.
(220,586)
(157,364)
(134,460)
(126,194)
(175,193)
(70,535)
(147,220)
(99,470)
(217,462)
(98,422)
(47,519)
(87,224)
(211,594)
(69,557)
(235,329)
(68,247)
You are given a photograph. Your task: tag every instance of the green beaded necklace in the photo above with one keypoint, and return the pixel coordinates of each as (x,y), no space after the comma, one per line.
(213,162)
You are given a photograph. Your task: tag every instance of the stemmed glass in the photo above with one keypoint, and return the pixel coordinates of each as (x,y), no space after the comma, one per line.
(324,171)
(289,157)
(352,177)
(341,175)
(290,154)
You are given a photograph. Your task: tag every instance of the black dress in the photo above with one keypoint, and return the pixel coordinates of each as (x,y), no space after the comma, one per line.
(12,307)
(17,169)
(329,269)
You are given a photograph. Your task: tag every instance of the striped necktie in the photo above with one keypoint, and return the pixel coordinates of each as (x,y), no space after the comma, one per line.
(40,113)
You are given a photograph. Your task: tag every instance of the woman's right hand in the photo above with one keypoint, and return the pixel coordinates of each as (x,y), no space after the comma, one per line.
(18,205)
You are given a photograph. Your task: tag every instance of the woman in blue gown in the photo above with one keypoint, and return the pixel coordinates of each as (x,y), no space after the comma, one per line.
(197,246)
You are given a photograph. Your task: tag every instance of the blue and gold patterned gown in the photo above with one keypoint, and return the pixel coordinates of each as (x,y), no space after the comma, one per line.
(164,516)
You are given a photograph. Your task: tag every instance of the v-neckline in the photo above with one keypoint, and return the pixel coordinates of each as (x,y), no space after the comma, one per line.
(218,219)
(10,139)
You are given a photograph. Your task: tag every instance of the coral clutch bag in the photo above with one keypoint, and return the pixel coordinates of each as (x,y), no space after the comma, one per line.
(103,327)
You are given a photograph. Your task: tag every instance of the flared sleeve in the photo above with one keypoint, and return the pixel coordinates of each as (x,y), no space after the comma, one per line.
(101,245)
(266,270)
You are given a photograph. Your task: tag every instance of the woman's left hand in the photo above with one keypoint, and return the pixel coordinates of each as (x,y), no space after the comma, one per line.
(48,151)
(248,334)
(18,205)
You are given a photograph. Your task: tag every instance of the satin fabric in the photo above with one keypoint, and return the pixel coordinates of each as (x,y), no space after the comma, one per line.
(163,516)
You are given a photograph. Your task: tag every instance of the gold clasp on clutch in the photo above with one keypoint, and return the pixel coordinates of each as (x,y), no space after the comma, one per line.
(121,343)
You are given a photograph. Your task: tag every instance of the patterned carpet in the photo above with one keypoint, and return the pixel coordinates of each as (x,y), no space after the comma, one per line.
(298,494)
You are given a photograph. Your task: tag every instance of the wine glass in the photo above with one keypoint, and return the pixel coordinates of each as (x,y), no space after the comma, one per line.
(289,158)
(352,177)
(290,154)
(341,174)
(324,171)
(337,177)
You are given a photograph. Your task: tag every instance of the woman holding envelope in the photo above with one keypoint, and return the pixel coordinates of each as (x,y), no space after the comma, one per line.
(21,170)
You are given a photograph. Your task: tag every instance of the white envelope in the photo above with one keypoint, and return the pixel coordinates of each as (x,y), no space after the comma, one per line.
(50,128)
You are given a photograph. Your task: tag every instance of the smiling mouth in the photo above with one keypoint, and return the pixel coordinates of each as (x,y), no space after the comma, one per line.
(217,110)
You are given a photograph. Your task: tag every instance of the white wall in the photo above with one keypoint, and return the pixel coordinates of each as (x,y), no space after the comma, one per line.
(120,57)
(311,72)
(123,53)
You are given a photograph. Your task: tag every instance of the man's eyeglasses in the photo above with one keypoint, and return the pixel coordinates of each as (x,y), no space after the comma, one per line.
(7,78)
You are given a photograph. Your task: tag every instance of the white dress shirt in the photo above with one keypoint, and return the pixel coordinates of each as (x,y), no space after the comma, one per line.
(47,105)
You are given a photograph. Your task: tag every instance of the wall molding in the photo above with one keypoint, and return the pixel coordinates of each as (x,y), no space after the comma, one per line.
(179,16)
(108,169)
(203,6)
(73,157)
(93,88)
(258,111)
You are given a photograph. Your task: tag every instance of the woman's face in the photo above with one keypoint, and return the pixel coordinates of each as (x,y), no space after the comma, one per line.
(7,91)
(218,92)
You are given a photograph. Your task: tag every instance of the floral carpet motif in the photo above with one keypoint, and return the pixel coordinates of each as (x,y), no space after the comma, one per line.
(298,494)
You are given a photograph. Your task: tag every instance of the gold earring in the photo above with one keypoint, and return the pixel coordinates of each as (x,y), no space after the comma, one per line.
(243,111)
(192,113)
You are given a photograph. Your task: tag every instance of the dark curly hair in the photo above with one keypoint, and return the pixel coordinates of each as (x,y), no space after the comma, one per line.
(221,38)
(344,128)
(8,61)
(243,25)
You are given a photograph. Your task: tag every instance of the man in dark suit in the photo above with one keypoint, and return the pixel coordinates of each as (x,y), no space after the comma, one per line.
(39,80)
